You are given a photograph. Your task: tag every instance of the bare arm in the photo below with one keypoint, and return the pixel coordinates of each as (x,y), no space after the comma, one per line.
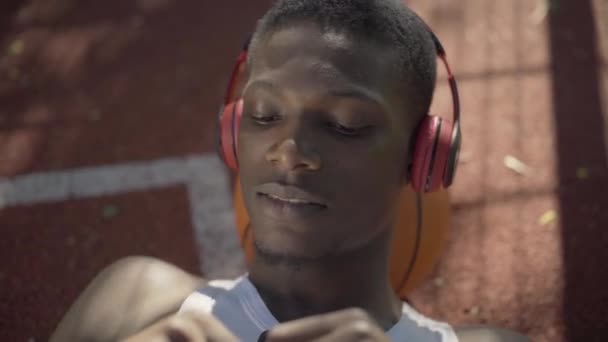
(125,297)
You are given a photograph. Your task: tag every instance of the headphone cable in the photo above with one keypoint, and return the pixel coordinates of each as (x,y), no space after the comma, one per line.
(410,268)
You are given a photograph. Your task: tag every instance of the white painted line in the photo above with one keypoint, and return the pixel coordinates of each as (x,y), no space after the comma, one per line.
(208,191)
(214,219)
(91,181)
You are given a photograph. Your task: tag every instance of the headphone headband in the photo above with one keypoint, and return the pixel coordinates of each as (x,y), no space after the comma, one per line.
(242,58)
(435,151)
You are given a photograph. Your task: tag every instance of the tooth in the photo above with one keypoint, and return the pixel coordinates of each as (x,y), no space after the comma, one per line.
(291,200)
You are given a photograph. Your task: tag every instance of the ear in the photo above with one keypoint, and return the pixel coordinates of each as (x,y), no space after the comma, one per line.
(409,160)
(406,171)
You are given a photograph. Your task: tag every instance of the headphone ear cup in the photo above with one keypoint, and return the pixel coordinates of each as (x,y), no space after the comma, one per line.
(228,125)
(454,153)
(442,154)
(423,149)
(431,152)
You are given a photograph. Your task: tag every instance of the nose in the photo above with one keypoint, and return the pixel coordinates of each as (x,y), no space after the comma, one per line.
(289,155)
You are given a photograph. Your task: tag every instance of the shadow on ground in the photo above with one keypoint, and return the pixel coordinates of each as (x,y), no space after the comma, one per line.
(583,192)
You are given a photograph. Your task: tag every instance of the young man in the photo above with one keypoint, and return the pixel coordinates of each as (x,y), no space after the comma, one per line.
(335,95)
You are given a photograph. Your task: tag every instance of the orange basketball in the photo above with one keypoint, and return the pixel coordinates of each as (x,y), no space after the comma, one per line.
(436,214)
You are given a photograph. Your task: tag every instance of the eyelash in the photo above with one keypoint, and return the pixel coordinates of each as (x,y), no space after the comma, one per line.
(264,120)
(347,131)
(342,131)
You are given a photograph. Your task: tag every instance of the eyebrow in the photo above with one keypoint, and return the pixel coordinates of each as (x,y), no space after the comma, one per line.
(358,94)
(264,84)
(345,92)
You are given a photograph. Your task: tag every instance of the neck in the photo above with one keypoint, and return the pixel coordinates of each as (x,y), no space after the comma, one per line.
(358,278)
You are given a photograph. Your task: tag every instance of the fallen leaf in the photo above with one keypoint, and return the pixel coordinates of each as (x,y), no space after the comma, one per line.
(439,282)
(464,157)
(516,165)
(548,217)
(474,311)
(94,115)
(543,8)
(14,74)
(109,211)
(16,47)
(540,12)
(582,173)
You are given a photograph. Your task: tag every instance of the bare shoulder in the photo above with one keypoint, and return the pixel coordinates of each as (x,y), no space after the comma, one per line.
(125,297)
(488,334)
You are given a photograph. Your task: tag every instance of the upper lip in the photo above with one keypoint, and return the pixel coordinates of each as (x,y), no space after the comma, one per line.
(290,193)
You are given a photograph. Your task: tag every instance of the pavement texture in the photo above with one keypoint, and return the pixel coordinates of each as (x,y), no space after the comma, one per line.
(107,125)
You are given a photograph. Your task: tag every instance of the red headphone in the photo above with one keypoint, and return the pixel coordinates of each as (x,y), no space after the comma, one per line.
(437,143)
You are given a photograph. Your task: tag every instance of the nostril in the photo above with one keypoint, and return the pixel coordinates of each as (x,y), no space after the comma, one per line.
(289,155)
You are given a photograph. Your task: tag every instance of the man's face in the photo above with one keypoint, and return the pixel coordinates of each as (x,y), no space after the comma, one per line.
(323,142)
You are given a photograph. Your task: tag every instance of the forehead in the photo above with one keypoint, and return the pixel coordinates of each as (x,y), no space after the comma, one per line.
(333,56)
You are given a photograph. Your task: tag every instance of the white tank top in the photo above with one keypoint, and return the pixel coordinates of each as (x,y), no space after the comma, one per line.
(238,305)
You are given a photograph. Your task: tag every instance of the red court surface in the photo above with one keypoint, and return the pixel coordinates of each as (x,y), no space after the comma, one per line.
(92,92)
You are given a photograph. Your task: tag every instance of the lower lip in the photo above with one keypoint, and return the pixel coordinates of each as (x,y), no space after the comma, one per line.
(284,210)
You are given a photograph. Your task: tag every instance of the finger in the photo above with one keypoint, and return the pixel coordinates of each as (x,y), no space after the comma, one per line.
(171,329)
(355,331)
(213,329)
(309,328)
(154,333)
(185,329)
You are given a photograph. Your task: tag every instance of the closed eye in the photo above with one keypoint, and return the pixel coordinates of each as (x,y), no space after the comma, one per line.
(349,131)
(265,119)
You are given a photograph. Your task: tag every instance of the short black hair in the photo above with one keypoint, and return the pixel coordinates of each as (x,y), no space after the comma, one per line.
(389,22)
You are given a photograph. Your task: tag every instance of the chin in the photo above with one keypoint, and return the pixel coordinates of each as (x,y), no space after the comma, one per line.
(289,247)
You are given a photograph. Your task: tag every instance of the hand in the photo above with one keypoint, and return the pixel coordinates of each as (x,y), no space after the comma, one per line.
(184,327)
(345,325)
